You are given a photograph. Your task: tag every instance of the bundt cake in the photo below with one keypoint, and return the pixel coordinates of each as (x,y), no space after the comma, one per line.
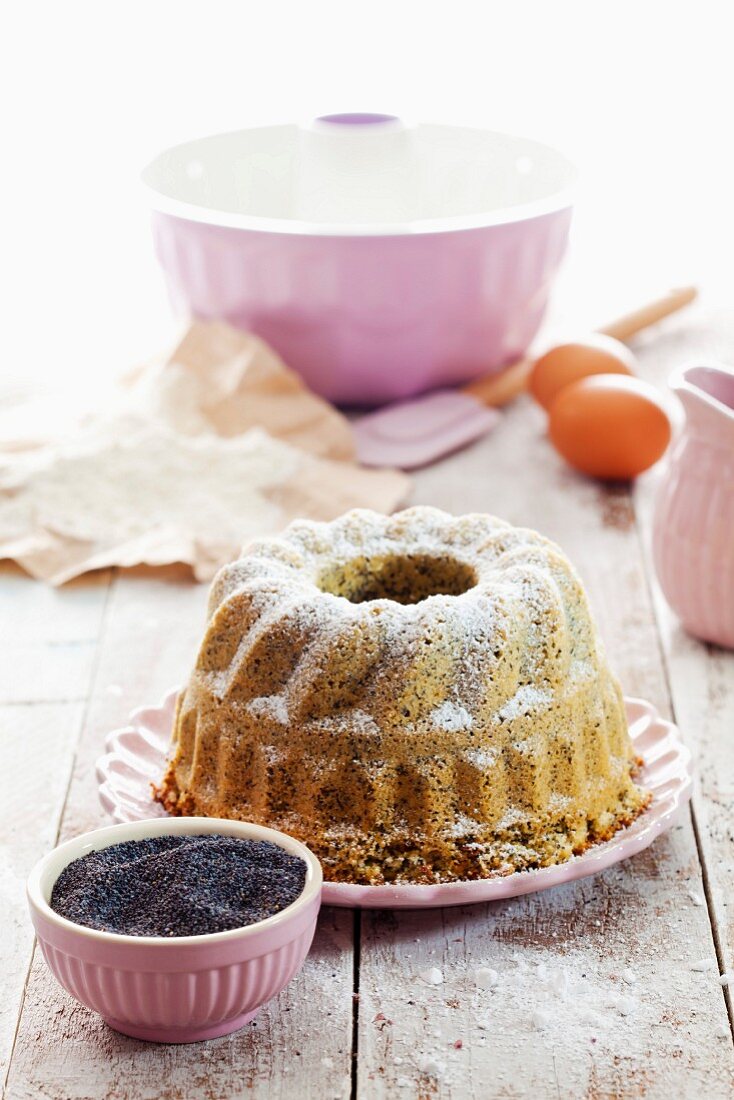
(419,698)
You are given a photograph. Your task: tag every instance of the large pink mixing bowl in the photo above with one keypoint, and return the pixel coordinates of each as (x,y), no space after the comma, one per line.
(379,259)
(184,988)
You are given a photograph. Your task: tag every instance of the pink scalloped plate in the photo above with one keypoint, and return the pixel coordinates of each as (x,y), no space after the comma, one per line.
(136,757)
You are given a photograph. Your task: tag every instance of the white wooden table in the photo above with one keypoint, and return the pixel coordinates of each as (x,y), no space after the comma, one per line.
(600,989)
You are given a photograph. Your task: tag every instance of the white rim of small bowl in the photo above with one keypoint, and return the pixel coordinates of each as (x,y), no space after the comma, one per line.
(560,199)
(172,826)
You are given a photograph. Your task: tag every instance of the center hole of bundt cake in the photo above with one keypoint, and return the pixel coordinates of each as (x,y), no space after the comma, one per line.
(403,578)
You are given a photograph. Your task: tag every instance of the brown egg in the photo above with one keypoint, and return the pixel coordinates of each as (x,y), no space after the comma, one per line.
(609,426)
(567,363)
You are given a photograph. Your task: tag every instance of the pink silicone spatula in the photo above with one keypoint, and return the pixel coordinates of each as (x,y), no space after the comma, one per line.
(419,431)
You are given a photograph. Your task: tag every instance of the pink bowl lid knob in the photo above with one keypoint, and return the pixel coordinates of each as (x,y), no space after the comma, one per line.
(357,118)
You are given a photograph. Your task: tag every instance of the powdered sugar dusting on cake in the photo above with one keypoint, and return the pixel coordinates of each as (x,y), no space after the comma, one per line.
(273,707)
(451,717)
(557,803)
(514,561)
(464,826)
(512,816)
(581,670)
(484,759)
(416,531)
(361,721)
(352,720)
(525,699)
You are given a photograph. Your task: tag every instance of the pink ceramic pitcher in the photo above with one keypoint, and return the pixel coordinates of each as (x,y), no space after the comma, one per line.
(693,537)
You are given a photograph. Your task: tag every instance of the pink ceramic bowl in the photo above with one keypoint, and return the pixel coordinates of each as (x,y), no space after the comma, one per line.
(183,989)
(379,259)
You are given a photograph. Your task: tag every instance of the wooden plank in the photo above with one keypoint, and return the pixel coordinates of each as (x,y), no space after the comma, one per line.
(46,660)
(301,1043)
(561,1019)
(36,750)
(701,677)
(48,653)
(595,994)
(155,620)
(702,688)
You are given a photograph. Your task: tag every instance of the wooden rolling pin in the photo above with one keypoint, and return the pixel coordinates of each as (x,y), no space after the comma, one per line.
(498,389)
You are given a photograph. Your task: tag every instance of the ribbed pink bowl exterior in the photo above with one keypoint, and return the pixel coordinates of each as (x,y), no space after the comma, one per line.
(177,991)
(371,319)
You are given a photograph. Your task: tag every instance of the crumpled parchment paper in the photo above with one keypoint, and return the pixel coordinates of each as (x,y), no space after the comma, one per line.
(220,444)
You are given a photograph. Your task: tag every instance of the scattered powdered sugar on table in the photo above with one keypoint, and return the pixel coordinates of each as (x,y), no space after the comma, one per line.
(528,996)
(541,1019)
(536,990)
(486,977)
(432,1066)
(625,1006)
(588,997)
(432,976)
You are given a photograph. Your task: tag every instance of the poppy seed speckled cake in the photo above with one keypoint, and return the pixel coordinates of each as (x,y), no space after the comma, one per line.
(419,698)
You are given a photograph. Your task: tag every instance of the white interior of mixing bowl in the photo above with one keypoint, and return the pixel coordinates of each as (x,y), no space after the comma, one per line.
(359,179)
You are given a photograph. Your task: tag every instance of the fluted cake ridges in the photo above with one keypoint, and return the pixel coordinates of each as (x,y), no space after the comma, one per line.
(417,697)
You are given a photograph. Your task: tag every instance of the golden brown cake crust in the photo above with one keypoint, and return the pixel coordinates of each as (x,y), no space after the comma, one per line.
(419,698)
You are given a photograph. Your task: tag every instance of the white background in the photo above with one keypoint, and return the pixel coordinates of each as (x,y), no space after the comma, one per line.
(640,94)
